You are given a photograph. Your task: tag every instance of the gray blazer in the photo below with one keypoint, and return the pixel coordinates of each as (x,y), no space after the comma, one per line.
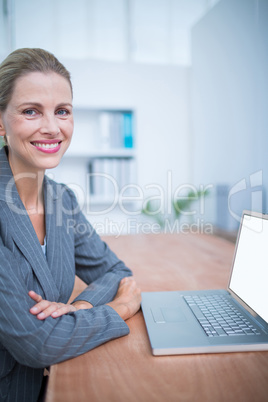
(28,345)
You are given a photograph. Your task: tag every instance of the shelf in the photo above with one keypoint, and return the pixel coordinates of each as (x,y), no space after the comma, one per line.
(109,153)
(95,109)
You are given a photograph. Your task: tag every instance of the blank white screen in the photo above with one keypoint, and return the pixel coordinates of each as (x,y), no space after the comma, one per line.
(250,272)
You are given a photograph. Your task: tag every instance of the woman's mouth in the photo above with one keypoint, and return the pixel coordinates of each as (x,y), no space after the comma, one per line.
(47,147)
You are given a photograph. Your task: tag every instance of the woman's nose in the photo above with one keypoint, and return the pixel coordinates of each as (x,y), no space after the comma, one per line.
(50,125)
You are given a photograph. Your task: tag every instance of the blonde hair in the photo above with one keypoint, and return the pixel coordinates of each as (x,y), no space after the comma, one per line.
(24,61)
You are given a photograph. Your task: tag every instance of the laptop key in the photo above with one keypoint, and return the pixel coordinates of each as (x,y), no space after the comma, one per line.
(220,332)
(197,312)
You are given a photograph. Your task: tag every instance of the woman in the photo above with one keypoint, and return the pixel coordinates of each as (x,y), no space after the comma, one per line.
(41,248)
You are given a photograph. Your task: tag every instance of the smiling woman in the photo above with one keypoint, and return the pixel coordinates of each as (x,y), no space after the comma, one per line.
(38,120)
(40,253)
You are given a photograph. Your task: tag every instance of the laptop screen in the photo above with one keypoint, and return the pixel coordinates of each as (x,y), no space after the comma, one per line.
(249,277)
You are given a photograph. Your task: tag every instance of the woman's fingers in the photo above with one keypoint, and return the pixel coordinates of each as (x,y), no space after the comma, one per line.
(64,309)
(44,308)
(36,297)
(54,310)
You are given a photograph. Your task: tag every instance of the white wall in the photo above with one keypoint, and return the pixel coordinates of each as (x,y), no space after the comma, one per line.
(230,98)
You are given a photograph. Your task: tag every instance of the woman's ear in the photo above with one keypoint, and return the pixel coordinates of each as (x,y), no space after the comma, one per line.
(2,128)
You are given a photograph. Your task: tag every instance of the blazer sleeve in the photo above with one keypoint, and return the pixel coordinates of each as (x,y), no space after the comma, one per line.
(95,263)
(38,343)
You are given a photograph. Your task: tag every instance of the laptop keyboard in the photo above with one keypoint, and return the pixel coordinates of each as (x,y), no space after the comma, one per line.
(219,317)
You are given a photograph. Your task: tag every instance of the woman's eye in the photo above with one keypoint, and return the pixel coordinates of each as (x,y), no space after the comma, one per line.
(63,112)
(30,112)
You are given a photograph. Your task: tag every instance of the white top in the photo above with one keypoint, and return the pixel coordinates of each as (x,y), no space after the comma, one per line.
(44,246)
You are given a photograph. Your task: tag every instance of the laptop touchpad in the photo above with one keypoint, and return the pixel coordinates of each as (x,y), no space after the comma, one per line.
(167,314)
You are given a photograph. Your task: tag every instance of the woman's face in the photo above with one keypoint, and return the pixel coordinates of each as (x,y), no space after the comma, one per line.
(38,121)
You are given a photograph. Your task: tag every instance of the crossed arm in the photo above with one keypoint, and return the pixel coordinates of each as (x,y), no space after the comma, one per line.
(126,302)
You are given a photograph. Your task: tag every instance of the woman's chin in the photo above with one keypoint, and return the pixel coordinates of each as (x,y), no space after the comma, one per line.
(50,163)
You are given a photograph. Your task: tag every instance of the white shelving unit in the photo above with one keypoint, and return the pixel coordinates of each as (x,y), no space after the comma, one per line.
(101,160)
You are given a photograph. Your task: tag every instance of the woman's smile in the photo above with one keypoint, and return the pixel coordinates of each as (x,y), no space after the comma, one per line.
(49,147)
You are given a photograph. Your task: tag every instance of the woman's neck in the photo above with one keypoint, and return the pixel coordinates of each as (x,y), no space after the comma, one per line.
(29,185)
(31,194)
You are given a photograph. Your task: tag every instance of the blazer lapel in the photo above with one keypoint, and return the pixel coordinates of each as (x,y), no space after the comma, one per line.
(53,233)
(22,231)
(26,240)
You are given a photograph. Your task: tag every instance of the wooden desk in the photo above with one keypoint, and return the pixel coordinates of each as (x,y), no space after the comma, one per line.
(124,370)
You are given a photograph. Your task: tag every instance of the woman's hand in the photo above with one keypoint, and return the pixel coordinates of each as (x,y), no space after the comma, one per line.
(44,308)
(126,302)
(128,298)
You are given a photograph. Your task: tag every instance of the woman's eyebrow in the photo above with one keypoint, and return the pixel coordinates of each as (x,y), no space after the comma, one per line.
(40,104)
(65,104)
(30,103)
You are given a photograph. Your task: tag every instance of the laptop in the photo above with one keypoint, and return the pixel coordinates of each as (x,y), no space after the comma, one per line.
(216,321)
